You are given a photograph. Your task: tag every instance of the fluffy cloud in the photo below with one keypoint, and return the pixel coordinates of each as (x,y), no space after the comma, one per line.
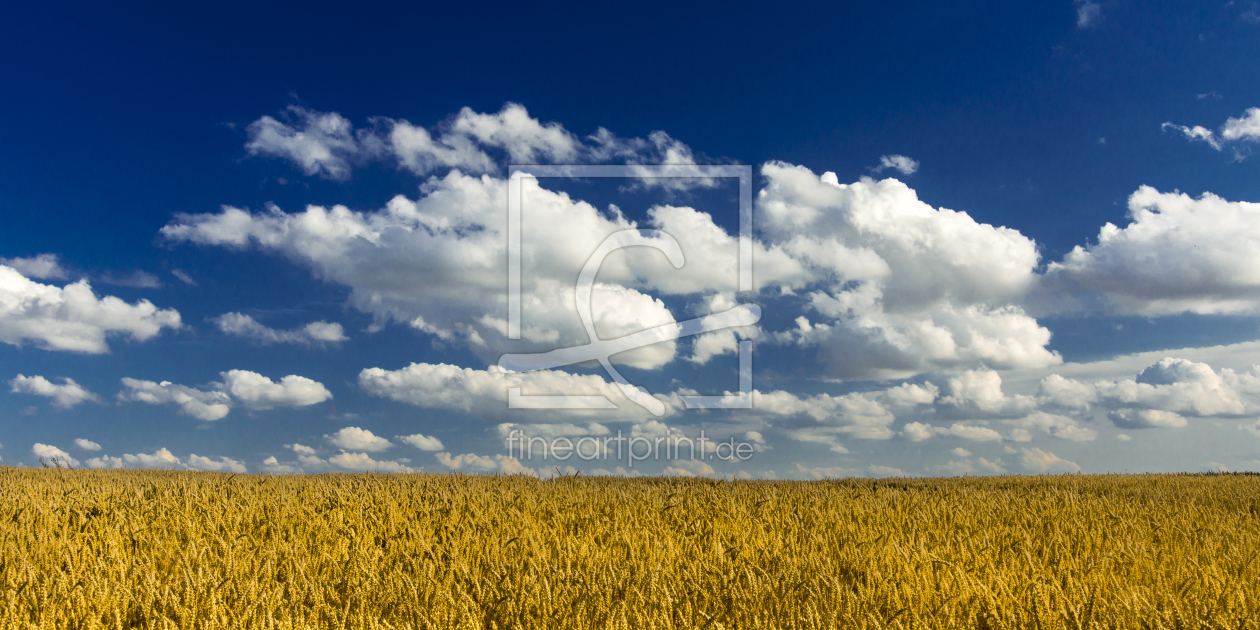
(319,143)
(908,287)
(364,462)
(66,395)
(259,392)
(161,458)
(422,442)
(688,468)
(53,455)
(438,262)
(245,326)
(202,405)
(918,432)
(484,393)
(356,439)
(899,163)
(72,318)
(1206,262)
(87,445)
(484,464)
(1040,461)
(1059,426)
(223,464)
(41,267)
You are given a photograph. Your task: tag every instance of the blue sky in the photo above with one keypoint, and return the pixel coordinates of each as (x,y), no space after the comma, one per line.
(923,177)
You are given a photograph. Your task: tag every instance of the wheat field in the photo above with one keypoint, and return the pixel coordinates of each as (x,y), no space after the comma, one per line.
(154,549)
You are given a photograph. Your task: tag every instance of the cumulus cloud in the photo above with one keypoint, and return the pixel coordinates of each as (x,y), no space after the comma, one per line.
(365,463)
(40,267)
(319,143)
(66,395)
(202,405)
(223,464)
(899,163)
(53,455)
(437,263)
(246,326)
(161,458)
(688,468)
(918,432)
(87,445)
(909,287)
(259,392)
(422,442)
(1206,260)
(484,393)
(356,439)
(72,318)
(1040,461)
(484,464)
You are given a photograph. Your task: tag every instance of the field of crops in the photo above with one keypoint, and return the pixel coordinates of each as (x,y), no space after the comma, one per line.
(132,549)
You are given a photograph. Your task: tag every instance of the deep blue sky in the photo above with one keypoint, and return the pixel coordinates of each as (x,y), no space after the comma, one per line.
(117,117)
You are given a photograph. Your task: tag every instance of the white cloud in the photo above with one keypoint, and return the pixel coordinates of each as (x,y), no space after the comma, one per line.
(161,458)
(438,261)
(994,467)
(900,163)
(1123,438)
(484,393)
(422,442)
(41,267)
(259,392)
(1063,427)
(202,405)
(1037,460)
(223,464)
(66,395)
(1088,13)
(87,445)
(823,472)
(72,318)
(183,277)
(319,143)
(918,432)
(1146,419)
(246,326)
(886,471)
(364,462)
(961,452)
(484,464)
(688,468)
(356,439)
(908,287)
(1245,128)
(1206,262)
(53,455)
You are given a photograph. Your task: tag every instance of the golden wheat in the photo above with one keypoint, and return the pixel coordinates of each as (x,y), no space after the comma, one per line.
(151,549)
